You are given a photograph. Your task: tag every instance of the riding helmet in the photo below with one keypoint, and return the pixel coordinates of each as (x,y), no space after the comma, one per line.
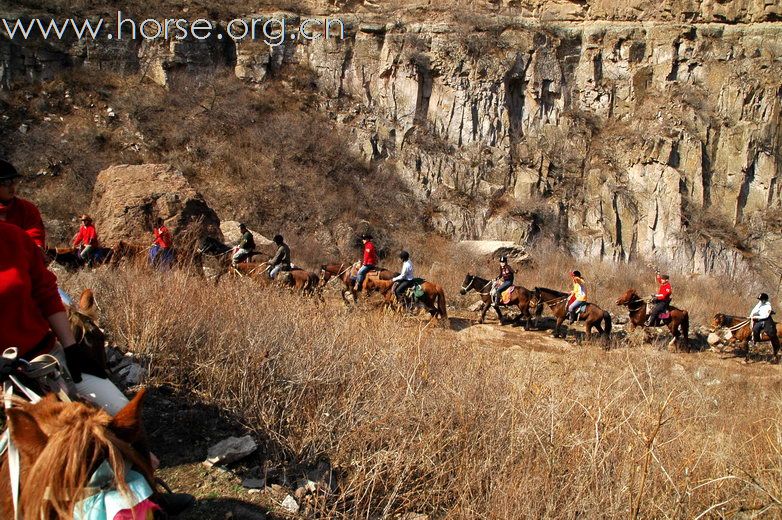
(576,273)
(242,226)
(366,236)
(7,171)
(405,256)
(665,277)
(278,239)
(763,297)
(85,218)
(503,259)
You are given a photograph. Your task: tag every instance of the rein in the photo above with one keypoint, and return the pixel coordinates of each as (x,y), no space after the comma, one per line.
(470,286)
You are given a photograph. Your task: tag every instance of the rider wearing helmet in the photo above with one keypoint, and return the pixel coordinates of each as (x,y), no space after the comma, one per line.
(368,262)
(405,279)
(504,280)
(762,322)
(281,259)
(19,212)
(577,296)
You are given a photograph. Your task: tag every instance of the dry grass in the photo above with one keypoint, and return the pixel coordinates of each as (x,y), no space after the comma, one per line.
(414,420)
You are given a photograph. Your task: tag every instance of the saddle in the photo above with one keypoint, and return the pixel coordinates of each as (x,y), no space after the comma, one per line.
(415,292)
(507,294)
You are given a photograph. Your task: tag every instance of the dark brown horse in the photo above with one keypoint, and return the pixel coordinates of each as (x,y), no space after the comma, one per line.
(520,297)
(346,272)
(590,314)
(741,329)
(433,299)
(68,257)
(84,324)
(678,321)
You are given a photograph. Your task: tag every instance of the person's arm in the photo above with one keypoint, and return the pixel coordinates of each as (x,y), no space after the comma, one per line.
(62,328)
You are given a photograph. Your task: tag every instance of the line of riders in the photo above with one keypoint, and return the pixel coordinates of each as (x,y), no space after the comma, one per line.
(42,331)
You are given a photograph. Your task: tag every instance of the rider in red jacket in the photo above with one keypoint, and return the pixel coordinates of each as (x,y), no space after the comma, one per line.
(19,212)
(661,300)
(86,239)
(161,253)
(369,261)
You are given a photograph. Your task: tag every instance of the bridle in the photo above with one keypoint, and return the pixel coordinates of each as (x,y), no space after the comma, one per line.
(470,286)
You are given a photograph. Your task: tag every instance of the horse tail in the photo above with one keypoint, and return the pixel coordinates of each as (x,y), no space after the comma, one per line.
(441,308)
(607,319)
(685,326)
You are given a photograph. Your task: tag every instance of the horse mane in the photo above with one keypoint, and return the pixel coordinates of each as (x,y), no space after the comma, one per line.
(75,439)
(552,291)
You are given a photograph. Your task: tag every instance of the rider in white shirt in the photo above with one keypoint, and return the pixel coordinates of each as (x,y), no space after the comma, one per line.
(405,278)
(762,322)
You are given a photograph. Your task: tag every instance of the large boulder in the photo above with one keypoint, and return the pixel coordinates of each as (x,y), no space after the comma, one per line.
(128,198)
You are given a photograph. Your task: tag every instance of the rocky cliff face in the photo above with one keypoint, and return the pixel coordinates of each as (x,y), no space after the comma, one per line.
(621,129)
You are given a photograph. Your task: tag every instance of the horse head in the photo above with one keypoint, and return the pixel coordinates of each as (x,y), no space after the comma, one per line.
(325,275)
(628,297)
(62,444)
(719,320)
(84,324)
(469,280)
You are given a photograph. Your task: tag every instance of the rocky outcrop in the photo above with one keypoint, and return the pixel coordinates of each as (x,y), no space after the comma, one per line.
(128,198)
(627,129)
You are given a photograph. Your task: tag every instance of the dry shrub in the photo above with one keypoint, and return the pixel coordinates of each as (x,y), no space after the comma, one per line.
(415,420)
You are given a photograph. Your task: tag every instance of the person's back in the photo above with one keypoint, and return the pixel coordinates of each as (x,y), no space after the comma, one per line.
(28,293)
(281,259)
(18,211)
(248,241)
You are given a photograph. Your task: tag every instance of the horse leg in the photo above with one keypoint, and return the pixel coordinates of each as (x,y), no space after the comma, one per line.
(484,310)
(499,314)
(557,325)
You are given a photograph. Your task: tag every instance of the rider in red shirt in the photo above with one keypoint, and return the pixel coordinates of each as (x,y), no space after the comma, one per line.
(661,300)
(19,212)
(86,239)
(369,261)
(161,252)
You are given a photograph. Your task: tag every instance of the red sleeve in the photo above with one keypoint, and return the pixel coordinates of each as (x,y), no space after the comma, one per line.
(34,224)
(78,238)
(44,283)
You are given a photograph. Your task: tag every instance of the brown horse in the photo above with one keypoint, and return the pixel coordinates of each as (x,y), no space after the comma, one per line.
(521,298)
(741,329)
(61,445)
(433,299)
(299,280)
(678,321)
(346,272)
(590,314)
(129,252)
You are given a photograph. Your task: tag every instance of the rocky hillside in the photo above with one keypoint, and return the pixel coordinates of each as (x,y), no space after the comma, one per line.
(625,129)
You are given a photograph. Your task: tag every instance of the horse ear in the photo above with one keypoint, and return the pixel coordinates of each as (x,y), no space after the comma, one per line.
(26,432)
(87,305)
(127,423)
